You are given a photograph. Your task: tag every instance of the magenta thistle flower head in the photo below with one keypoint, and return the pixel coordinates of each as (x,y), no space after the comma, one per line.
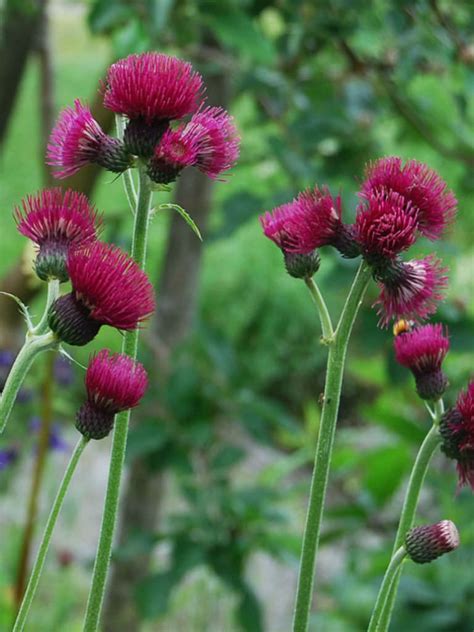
(57,222)
(151,89)
(311,220)
(457,431)
(77,140)
(114,382)
(209,141)
(425,544)
(108,288)
(411,289)
(422,350)
(419,185)
(386,225)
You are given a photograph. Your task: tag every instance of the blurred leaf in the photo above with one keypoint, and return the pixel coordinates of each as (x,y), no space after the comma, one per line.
(146,437)
(227,456)
(384,470)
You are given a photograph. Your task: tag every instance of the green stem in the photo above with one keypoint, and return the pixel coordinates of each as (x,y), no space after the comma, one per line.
(381,620)
(325,318)
(390,574)
(33,345)
(317,494)
(53,293)
(130,345)
(48,532)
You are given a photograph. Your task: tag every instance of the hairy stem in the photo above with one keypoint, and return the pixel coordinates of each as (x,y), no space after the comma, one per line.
(53,293)
(129,347)
(317,494)
(33,345)
(48,532)
(390,574)
(325,318)
(381,620)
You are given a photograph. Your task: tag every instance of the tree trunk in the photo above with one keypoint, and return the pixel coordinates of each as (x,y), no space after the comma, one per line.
(20,21)
(177,293)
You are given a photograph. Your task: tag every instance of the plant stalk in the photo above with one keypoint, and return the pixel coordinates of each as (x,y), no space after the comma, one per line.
(380,621)
(325,318)
(317,494)
(390,574)
(129,347)
(32,347)
(48,532)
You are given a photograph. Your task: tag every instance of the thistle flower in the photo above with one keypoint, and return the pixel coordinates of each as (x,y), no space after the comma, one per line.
(311,220)
(427,543)
(57,223)
(423,350)
(114,382)
(151,89)
(108,288)
(419,185)
(457,431)
(209,141)
(411,289)
(385,226)
(78,140)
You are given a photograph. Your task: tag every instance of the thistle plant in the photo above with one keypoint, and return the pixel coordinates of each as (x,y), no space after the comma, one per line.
(398,203)
(163,127)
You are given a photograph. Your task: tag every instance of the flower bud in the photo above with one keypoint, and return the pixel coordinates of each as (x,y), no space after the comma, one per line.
(302,266)
(425,544)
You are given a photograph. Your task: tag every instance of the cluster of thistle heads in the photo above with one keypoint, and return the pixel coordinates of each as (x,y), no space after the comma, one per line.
(154,93)
(398,203)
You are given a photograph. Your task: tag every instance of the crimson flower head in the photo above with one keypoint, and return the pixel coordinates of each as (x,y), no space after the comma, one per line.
(209,141)
(419,185)
(457,431)
(77,140)
(151,89)
(422,350)
(108,288)
(411,289)
(114,383)
(311,220)
(426,543)
(386,225)
(57,222)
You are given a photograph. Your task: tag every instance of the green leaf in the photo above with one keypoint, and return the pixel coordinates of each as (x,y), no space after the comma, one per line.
(187,218)
(227,456)
(384,470)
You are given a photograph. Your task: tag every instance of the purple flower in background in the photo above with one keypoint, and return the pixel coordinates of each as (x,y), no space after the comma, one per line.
(8,456)
(56,441)
(63,371)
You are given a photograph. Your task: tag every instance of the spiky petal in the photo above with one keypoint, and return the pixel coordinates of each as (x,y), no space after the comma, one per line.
(423,350)
(114,382)
(111,285)
(57,222)
(386,225)
(311,220)
(411,289)
(457,430)
(78,140)
(152,86)
(419,185)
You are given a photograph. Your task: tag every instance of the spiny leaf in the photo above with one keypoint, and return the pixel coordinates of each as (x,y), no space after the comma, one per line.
(187,218)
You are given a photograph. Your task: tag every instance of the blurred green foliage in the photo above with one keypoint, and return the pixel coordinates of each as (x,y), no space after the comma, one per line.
(320,88)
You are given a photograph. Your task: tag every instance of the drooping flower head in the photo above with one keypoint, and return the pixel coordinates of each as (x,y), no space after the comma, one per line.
(209,141)
(151,89)
(457,431)
(114,383)
(411,289)
(78,140)
(419,185)
(57,222)
(311,220)
(108,288)
(386,225)
(426,543)
(423,350)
